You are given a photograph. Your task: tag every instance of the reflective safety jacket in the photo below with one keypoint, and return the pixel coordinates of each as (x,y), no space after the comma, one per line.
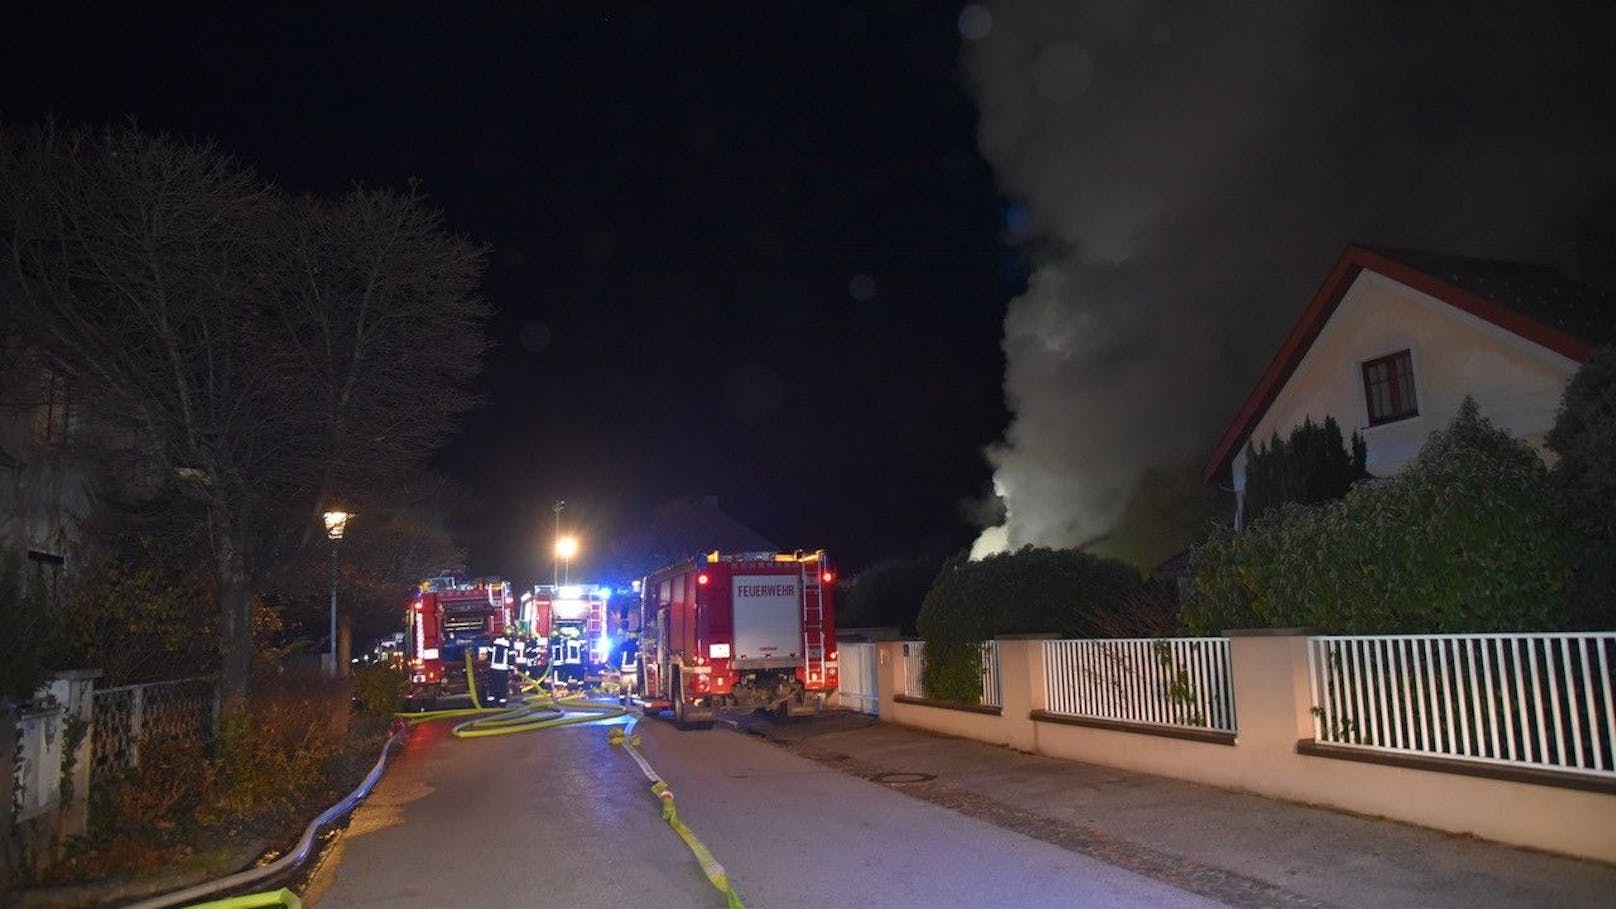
(501,658)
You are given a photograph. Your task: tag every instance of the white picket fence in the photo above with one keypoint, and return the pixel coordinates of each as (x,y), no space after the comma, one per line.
(1164,682)
(1533,700)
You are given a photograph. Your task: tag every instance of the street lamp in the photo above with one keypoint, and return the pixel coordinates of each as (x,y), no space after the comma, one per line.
(335,523)
(559,505)
(566,548)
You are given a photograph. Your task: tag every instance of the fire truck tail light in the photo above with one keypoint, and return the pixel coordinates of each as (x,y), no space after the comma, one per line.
(702,579)
(430,653)
(718,651)
(828,577)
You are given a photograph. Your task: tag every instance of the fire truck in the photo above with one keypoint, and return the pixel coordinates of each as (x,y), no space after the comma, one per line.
(750,631)
(570,624)
(447,619)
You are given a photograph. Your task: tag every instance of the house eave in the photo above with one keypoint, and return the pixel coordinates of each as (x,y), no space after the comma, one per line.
(1323,305)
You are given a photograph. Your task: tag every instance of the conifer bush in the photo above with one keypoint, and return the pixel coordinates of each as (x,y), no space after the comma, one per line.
(1467,538)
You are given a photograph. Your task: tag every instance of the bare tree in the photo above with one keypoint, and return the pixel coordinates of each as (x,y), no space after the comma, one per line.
(274,354)
(381,313)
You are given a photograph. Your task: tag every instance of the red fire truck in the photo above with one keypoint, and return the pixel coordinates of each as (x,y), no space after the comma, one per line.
(747,630)
(568,623)
(447,619)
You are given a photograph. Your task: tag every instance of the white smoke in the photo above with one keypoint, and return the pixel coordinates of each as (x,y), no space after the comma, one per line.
(1189,172)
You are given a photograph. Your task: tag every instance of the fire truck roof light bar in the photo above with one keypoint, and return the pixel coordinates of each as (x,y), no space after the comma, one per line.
(798,556)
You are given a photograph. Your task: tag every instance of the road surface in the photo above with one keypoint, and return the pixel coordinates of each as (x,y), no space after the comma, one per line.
(559,817)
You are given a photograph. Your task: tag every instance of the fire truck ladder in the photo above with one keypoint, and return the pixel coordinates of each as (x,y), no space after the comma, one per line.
(813,622)
(594,621)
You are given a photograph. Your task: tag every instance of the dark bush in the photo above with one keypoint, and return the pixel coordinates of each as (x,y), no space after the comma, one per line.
(1466,538)
(1584,438)
(1061,591)
(378,688)
(887,594)
(1314,465)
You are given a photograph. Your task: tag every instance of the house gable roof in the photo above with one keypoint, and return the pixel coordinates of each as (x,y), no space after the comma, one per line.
(1535,302)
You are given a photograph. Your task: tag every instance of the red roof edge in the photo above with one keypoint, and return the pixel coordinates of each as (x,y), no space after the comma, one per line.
(1323,305)
(1284,362)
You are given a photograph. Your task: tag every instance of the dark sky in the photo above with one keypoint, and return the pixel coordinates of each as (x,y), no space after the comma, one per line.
(742,250)
(799,256)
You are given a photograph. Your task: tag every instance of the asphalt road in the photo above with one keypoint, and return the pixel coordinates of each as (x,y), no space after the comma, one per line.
(561,818)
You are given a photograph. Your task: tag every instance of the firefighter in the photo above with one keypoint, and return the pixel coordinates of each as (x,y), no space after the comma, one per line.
(628,668)
(519,653)
(499,671)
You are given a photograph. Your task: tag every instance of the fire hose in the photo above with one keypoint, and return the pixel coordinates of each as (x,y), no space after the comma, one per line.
(281,865)
(535,712)
(625,738)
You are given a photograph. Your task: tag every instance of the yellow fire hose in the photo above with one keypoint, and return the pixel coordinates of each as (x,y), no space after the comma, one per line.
(710,867)
(281,897)
(538,711)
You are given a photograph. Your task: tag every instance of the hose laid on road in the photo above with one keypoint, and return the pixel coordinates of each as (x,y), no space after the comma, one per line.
(715,872)
(537,712)
(282,897)
(286,862)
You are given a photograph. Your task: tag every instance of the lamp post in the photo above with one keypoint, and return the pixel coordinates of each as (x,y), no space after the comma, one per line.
(335,523)
(566,548)
(556,580)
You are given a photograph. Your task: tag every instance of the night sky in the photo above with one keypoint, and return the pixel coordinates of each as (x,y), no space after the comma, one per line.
(744,254)
(798,256)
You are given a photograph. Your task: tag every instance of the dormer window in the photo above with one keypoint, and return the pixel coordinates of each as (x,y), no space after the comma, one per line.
(1389,388)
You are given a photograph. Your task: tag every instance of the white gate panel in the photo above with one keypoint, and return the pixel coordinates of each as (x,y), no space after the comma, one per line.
(859,684)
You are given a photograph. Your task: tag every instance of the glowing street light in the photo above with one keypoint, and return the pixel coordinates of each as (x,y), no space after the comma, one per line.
(566,547)
(336,523)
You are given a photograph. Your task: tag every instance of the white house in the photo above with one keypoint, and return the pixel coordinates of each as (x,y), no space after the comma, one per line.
(1393,342)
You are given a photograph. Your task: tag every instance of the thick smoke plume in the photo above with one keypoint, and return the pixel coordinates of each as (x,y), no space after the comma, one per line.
(1183,175)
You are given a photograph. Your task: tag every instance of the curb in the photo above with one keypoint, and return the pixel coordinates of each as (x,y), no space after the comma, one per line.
(115,892)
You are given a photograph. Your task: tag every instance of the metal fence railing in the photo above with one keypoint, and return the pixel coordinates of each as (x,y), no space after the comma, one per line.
(914,664)
(130,716)
(992,693)
(1165,682)
(1532,700)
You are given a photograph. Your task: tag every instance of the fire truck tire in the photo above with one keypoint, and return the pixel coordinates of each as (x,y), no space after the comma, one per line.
(681,710)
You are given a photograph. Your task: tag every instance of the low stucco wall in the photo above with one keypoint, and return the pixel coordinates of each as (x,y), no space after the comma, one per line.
(1272,705)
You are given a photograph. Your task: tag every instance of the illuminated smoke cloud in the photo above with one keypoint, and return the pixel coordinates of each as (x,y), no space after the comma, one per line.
(1181,177)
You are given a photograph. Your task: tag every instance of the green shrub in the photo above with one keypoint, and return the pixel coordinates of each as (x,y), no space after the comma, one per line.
(1465,539)
(1584,437)
(173,779)
(1315,465)
(1035,590)
(274,754)
(378,688)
